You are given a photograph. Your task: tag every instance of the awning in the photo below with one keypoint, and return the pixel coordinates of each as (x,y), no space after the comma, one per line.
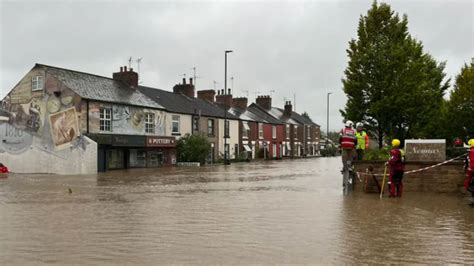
(246,126)
(247,148)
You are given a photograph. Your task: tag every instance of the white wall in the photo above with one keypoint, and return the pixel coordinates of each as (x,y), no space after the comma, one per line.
(185,125)
(70,161)
(234,136)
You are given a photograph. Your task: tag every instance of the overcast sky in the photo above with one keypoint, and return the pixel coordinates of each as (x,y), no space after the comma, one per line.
(280,48)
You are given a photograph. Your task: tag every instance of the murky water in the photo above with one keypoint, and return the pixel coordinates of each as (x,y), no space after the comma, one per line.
(275,212)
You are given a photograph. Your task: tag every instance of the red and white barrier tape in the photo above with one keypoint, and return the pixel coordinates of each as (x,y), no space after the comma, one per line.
(418,170)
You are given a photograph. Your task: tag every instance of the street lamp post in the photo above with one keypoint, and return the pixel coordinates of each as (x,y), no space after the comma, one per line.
(226,129)
(327,124)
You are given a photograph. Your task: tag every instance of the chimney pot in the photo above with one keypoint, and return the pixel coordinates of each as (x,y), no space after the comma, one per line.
(191,81)
(125,68)
(229,91)
(121,69)
(184,81)
(131,70)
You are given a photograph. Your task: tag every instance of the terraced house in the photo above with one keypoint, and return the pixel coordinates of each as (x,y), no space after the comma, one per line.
(70,122)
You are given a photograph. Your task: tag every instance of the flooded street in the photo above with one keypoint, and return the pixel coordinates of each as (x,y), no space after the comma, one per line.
(264,212)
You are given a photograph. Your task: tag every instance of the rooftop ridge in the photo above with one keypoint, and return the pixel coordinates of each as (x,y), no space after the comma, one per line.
(71,70)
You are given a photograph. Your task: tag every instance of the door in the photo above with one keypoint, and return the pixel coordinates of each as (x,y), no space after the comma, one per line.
(101,160)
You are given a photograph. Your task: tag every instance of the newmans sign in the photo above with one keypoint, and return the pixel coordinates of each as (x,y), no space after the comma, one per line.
(427,150)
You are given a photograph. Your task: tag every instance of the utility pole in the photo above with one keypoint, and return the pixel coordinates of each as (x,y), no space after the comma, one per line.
(327,124)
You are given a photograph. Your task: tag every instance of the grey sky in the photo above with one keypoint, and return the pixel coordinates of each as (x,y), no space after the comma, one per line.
(286,47)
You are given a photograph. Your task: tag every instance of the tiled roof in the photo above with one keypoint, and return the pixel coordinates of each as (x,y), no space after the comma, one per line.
(246,115)
(179,103)
(259,111)
(279,114)
(99,88)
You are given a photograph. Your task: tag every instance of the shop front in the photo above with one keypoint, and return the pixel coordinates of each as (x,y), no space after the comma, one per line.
(132,151)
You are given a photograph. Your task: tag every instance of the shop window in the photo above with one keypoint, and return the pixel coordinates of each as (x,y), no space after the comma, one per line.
(106,119)
(149,123)
(155,158)
(175,125)
(210,127)
(37,83)
(137,158)
(260,130)
(116,159)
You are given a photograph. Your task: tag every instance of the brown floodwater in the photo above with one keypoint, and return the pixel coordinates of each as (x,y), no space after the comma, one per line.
(290,211)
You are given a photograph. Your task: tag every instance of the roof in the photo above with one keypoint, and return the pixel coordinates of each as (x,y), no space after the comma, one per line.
(179,103)
(259,111)
(94,87)
(246,115)
(302,119)
(279,114)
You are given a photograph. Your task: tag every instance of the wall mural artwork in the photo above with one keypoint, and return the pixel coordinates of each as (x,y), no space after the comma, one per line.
(46,119)
(64,128)
(127,120)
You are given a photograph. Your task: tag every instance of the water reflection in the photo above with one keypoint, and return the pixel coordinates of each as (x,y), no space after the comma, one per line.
(273,212)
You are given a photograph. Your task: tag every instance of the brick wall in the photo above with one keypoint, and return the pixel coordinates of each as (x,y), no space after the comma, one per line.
(446,178)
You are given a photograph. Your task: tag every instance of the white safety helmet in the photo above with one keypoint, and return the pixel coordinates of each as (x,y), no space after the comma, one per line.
(359,125)
(349,123)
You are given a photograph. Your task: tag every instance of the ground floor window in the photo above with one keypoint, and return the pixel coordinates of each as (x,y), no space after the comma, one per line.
(116,159)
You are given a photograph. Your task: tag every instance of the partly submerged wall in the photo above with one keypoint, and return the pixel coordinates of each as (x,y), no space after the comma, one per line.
(445,178)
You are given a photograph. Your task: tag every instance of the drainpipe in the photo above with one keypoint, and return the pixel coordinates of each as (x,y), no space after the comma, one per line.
(87,116)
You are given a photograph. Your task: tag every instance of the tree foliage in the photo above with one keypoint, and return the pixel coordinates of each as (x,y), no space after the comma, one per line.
(392,86)
(193,148)
(459,110)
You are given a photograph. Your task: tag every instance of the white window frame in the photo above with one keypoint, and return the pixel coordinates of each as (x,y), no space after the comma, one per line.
(295,133)
(260,130)
(150,123)
(287,131)
(105,118)
(37,83)
(274,131)
(308,132)
(175,119)
(245,130)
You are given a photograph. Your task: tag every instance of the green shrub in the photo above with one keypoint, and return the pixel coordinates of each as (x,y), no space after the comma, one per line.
(377,154)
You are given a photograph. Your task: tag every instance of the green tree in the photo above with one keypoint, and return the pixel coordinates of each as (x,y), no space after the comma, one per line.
(392,86)
(193,148)
(459,112)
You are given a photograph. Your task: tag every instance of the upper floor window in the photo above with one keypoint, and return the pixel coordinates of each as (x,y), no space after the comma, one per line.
(106,119)
(308,132)
(226,129)
(195,123)
(210,127)
(37,83)
(245,129)
(287,131)
(149,123)
(274,131)
(175,124)
(260,130)
(295,133)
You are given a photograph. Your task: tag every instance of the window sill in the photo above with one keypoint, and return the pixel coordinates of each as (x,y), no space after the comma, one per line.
(175,134)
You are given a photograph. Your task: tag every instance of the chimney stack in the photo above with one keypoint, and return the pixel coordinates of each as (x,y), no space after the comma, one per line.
(129,78)
(264,101)
(185,89)
(206,95)
(288,108)
(224,98)
(240,103)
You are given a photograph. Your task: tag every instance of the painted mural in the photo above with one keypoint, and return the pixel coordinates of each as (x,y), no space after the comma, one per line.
(127,120)
(40,112)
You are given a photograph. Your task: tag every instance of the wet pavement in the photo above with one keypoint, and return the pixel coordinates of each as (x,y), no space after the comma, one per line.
(290,211)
